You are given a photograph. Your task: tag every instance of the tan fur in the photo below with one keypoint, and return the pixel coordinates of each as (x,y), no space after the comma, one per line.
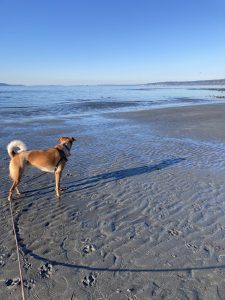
(50,160)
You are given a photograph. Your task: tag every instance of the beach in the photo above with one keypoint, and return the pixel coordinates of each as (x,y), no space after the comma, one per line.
(142,216)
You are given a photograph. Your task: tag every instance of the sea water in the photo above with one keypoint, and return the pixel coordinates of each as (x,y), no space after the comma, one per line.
(24,106)
(23,102)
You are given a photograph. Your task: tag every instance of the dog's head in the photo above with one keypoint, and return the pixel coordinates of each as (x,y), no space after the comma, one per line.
(66,139)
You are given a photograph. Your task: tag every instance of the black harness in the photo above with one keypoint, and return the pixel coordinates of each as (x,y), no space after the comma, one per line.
(62,156)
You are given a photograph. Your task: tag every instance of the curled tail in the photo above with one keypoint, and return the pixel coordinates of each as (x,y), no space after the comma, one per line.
(15,144)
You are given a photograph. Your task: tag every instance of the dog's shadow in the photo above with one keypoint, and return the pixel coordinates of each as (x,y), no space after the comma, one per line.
(104,178)
(116,175)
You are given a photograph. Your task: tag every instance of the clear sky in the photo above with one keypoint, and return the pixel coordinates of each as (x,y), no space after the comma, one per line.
(111,41)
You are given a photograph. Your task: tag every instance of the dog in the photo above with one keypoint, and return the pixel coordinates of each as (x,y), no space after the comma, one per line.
(52,160)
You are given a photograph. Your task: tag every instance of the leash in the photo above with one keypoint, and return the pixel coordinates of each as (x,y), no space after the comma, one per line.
(17,250)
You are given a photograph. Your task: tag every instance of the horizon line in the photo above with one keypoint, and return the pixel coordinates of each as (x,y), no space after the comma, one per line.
(111,84)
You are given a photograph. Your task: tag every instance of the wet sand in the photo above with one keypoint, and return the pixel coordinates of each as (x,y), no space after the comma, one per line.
(203,122)
(142,216)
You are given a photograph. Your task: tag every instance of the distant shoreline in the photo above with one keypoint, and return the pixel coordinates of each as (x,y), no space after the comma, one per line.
(163,83)
(6,84)
(196,82)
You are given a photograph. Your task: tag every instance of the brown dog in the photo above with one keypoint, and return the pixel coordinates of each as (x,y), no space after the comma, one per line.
(51,160)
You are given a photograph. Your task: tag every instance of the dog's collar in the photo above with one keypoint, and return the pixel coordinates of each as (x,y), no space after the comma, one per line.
(62,157)
(67,148)
(64,153)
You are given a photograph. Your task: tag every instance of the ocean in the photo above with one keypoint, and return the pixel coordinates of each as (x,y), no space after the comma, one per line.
(23,102)
(21,106)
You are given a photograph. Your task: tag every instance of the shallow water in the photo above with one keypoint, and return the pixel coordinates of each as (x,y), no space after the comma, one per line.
(38,103)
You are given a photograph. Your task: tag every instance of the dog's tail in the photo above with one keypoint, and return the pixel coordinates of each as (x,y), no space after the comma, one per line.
(15,144)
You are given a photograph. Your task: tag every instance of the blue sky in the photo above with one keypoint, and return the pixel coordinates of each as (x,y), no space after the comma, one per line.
(111,41)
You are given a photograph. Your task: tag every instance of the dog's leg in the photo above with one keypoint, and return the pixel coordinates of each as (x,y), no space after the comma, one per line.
(18,191)
(58,174)
(15,172)
(11,190)
(57,182)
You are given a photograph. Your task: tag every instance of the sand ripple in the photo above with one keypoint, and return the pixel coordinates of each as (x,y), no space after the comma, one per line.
(142,218)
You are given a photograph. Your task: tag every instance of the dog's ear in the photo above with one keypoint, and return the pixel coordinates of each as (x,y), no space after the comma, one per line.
(73,139)
(62,139)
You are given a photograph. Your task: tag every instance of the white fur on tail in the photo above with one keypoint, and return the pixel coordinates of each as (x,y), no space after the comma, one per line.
(16,144)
